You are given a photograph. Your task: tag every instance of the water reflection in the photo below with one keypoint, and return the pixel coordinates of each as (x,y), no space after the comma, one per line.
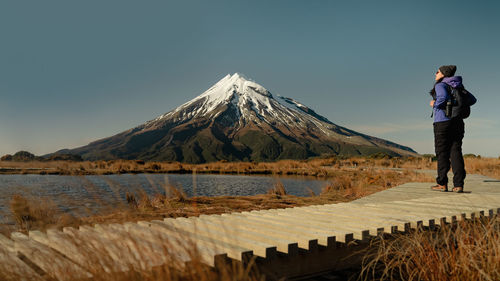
(71,193)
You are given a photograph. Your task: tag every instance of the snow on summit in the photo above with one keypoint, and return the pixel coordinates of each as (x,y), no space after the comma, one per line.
(245,101)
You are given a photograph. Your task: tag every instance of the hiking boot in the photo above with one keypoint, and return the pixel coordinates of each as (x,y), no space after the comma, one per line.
(458,189)
(439,187)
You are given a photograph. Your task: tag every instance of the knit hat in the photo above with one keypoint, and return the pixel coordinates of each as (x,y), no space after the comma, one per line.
(448,70)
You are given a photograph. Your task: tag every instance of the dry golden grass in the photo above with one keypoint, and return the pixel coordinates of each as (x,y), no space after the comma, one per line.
(319,167)
(33,214)
(469,250)
(129,258)
(484,166)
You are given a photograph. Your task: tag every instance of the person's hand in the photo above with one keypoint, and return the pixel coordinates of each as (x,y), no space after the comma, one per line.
(432,103)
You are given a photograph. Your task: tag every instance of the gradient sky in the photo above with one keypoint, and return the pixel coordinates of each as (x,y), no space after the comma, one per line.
(75,71)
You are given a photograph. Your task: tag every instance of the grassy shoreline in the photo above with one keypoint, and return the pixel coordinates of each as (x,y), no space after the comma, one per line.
(320,167)
(344,185)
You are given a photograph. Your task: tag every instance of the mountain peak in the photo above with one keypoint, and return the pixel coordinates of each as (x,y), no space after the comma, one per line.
(238,75)
(237,119)
(236,83)
(233,78)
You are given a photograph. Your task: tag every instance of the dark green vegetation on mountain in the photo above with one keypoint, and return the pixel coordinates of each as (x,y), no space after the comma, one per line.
(200,146)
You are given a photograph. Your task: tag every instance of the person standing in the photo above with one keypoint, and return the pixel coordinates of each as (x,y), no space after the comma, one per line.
(448,131)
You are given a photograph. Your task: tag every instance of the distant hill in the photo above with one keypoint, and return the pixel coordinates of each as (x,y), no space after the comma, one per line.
(20,156)
(237,120)
(25,156)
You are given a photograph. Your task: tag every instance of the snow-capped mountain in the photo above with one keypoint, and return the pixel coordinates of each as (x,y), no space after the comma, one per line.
(237,119)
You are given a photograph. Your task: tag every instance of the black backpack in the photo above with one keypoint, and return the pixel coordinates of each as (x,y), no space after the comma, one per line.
(460,102)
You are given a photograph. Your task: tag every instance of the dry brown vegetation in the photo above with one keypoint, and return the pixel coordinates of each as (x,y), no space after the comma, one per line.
(469,250)
(36,214)
(319,167)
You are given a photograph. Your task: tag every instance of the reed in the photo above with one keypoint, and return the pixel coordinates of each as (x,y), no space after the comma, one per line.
(278,189)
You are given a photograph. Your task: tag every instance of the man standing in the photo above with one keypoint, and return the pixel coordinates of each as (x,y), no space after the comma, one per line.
(448,130)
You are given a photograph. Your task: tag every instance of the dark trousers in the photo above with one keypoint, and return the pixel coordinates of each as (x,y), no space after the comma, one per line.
(448,137)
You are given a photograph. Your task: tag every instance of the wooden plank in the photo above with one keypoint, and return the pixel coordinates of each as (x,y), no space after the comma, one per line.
(414,218)
(339,222)
(304,237)
(290,239)
(176,247)
(78,249)
(316,225)
(361,210)
(465,201)
(39,236)
(263,250)
(233,251)
(6,243)
(138,253)
(271,217)
(160,243)
(106,254)
(64,246)
(175,236)
(50,261)
(385,213)
(423,212)
(442,208)
(118,253)
(389,223)
(237,229)
(321,233)
(13,268)
(375,226)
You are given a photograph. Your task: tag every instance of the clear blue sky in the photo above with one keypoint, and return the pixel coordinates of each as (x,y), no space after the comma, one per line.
(75,71)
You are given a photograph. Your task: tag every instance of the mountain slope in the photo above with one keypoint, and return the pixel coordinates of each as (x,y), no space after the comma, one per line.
(237,119)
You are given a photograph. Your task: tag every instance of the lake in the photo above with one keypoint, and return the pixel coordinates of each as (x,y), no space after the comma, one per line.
(75,193)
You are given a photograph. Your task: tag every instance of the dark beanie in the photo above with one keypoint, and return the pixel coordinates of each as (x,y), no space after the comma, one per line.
(448,70)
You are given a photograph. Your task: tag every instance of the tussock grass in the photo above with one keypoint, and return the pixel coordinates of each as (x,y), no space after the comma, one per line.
(468,250)
(34,213)
(318,167)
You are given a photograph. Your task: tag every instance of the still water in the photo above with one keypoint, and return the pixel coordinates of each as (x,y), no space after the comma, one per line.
(75,193)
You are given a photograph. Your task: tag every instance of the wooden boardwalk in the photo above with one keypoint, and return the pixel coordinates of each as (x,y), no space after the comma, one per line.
(284,242)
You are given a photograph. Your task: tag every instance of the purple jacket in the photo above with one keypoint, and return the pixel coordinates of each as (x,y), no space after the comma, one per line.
(442,97)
